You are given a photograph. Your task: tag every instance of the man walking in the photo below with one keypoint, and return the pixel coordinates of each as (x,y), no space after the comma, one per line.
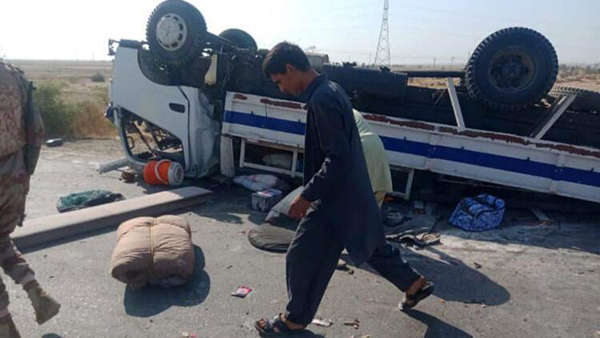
(337,207)
(20,139)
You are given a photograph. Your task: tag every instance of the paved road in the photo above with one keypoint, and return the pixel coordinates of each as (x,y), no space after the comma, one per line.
(529,280)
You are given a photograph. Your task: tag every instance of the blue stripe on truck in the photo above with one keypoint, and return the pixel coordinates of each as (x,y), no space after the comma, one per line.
(528,167)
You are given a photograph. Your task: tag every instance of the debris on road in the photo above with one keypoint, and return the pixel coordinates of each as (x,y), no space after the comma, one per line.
(541,216)
(259,182)
(264,200)
(128,175)
(481,213)
(418,239)
(86,199)
(54,142)
(157,251)
(322,322)
(283,206)
(241,292)
(355,324)
(113,165)
(477,265)
(163,172)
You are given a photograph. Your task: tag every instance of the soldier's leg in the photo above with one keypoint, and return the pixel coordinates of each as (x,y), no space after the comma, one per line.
(7,326)
(16,267)
(12,211)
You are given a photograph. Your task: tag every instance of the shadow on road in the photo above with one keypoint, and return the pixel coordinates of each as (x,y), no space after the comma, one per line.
(454,280)
(437,328)
(152,300)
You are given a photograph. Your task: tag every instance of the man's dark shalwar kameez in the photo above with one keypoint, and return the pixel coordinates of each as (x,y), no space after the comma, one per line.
(344,213)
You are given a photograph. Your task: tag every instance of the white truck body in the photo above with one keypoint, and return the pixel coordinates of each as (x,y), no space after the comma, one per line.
(522,162)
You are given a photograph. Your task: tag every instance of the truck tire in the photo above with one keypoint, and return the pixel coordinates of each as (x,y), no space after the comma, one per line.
(585,100)
(175,32)
(239,38)
(512,69)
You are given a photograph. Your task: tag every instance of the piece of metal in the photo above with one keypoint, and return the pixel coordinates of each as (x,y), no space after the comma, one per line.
(555,112)
(541,216)
(460,122)
(499,158)
(113,165)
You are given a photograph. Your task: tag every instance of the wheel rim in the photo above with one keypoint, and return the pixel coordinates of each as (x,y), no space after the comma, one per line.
(171,32)
(511,70)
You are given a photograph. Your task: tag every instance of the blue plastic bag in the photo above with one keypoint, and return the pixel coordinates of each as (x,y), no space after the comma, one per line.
(481,213)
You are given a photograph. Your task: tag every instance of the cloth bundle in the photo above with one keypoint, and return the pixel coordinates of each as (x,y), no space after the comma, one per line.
(153,250)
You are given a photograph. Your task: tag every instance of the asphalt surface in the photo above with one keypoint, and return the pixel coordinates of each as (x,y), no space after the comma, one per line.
(523,280)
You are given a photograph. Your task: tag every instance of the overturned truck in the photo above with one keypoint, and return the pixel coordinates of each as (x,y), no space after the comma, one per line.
(201,99)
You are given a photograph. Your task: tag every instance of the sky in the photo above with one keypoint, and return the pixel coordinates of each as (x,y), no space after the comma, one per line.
(347,30)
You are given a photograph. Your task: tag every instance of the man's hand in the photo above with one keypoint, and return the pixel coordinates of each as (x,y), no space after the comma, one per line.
(299,207)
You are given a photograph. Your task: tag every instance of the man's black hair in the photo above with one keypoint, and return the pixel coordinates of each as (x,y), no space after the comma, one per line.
(282,54)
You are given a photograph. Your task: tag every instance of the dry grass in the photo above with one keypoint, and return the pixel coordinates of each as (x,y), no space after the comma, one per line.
(84,98)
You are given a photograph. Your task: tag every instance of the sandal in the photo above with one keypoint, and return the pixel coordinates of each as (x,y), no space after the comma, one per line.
(411,301)
(274,327)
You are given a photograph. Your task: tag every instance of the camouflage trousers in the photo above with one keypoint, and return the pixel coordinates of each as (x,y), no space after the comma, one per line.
(14,186)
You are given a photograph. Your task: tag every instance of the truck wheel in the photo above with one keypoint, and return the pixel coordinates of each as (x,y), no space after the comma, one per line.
(511,69)
(239,38)
(175,32)
(585,100)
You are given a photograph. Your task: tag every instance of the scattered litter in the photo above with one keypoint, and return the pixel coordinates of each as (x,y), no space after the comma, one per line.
(481,213)
(260,182)
(229,267)
(86,199)
(128,175)
(355,324)
(242,292)
(54,142)
(419,239)
(188,335)
(477,265)
(266,199)
(322,322)
(483,306)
